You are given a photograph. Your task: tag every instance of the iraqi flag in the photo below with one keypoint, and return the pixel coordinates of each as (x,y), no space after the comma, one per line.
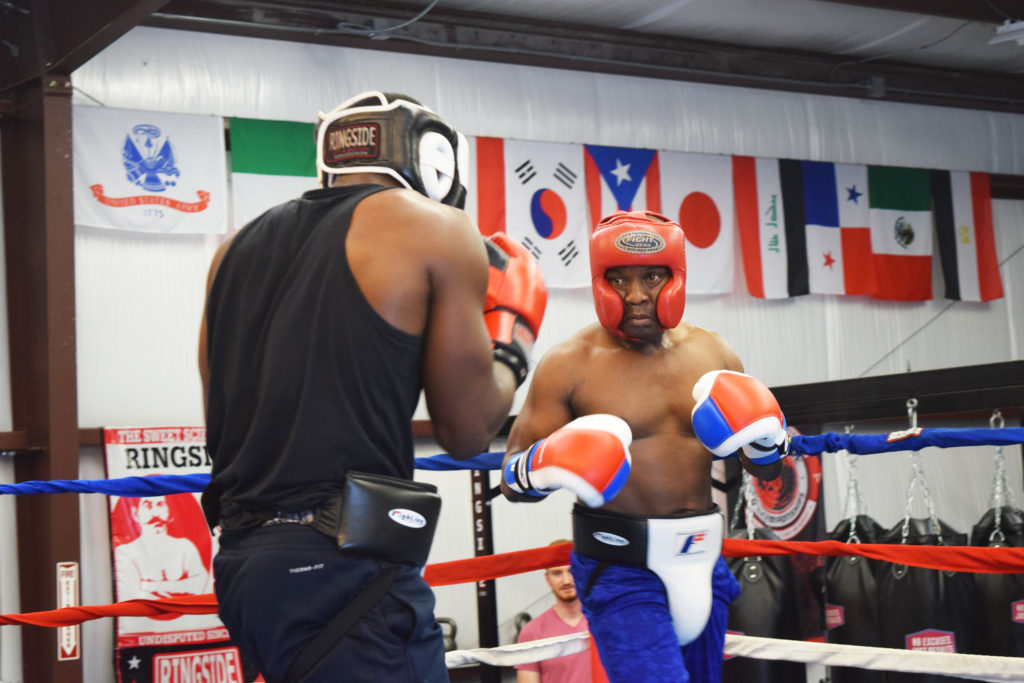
(621,179)
(901,232)
(839,259)
(770,217)
(149,171)
(963,227)
(534,191)
(271,162)
(696,191)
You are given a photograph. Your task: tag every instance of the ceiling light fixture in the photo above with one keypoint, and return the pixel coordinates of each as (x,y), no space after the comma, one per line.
(1009,30)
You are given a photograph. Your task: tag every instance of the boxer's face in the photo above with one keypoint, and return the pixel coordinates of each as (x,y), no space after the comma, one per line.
(639,287)
(561,583)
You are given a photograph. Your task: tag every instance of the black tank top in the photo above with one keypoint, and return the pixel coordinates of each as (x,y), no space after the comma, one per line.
(306,380)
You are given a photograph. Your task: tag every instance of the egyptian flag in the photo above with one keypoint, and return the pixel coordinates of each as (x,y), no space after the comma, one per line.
(770,217)
(901,232)
(621,179)
(839,259)
(963,226)
(535,192)
(696,191)
(271,162)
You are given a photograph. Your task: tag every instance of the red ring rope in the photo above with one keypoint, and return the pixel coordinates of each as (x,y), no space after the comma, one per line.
(950,558)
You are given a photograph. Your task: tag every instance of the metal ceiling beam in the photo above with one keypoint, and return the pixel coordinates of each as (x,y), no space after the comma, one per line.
(972,10)
(43,36)
(950,390)
(506,39)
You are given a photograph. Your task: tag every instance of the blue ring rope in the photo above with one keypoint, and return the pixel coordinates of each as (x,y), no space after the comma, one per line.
(862,444)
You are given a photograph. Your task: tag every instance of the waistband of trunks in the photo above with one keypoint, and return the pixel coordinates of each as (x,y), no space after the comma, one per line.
(614,536)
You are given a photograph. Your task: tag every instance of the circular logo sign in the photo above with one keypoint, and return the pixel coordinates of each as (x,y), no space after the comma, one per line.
(409,518)
(609,538)
(786,504)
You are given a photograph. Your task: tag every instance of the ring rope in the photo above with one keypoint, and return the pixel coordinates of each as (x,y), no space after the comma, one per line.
(974,667)
(527,652)
(1001,560)
(862,444)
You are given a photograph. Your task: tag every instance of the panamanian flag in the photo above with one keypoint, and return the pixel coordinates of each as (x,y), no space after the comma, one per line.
(621,179)
(535,192)
(837,219)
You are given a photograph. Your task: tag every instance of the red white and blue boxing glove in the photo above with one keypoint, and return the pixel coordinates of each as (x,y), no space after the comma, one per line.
(515,303)
(737,411)
(589,456)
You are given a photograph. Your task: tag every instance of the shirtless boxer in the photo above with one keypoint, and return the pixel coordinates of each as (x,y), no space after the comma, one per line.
(628,414)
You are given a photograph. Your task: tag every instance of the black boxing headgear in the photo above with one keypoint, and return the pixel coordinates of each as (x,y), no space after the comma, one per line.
(375,133)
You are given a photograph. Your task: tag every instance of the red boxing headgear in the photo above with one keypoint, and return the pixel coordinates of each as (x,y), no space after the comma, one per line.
(638,238)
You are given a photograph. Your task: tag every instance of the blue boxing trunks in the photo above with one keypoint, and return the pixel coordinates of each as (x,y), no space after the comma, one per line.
(649,585)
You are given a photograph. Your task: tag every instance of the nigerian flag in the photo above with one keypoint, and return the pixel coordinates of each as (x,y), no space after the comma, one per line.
(271,162)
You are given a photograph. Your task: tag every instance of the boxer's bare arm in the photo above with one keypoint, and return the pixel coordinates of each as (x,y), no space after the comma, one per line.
(434,283)
(547,405)
(732,362)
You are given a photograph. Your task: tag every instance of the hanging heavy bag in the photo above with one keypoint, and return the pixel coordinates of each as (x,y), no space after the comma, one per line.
(765,607)
(1000,596)
(851,600)
(925,609)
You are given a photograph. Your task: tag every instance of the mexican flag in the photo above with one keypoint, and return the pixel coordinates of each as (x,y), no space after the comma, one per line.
(901,232)
(271,162)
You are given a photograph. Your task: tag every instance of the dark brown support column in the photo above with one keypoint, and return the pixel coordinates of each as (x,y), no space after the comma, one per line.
(39,242)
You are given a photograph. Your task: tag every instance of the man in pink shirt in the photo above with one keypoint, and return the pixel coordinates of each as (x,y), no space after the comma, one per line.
(565,617)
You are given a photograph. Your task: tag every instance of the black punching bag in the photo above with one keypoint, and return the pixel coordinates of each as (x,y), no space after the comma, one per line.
(1000,596)
(765,607)
(925,609)
(851,598)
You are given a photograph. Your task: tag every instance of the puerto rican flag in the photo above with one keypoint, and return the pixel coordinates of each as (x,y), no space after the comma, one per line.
(621,179)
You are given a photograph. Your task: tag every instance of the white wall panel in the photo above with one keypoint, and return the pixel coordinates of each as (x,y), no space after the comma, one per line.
(139,302)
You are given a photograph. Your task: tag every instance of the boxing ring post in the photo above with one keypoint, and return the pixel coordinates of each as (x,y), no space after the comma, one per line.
(483,544)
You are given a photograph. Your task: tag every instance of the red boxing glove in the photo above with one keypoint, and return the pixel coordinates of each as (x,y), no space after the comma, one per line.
(734,411)
(589,456)
(515,303)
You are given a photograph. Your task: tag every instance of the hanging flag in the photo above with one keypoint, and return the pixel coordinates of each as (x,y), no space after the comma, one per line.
(839,259)
(535,192)
(901,232)
(696,191)
(770,216)
(963,227)
(271,163)
(149,171)
(621,179)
